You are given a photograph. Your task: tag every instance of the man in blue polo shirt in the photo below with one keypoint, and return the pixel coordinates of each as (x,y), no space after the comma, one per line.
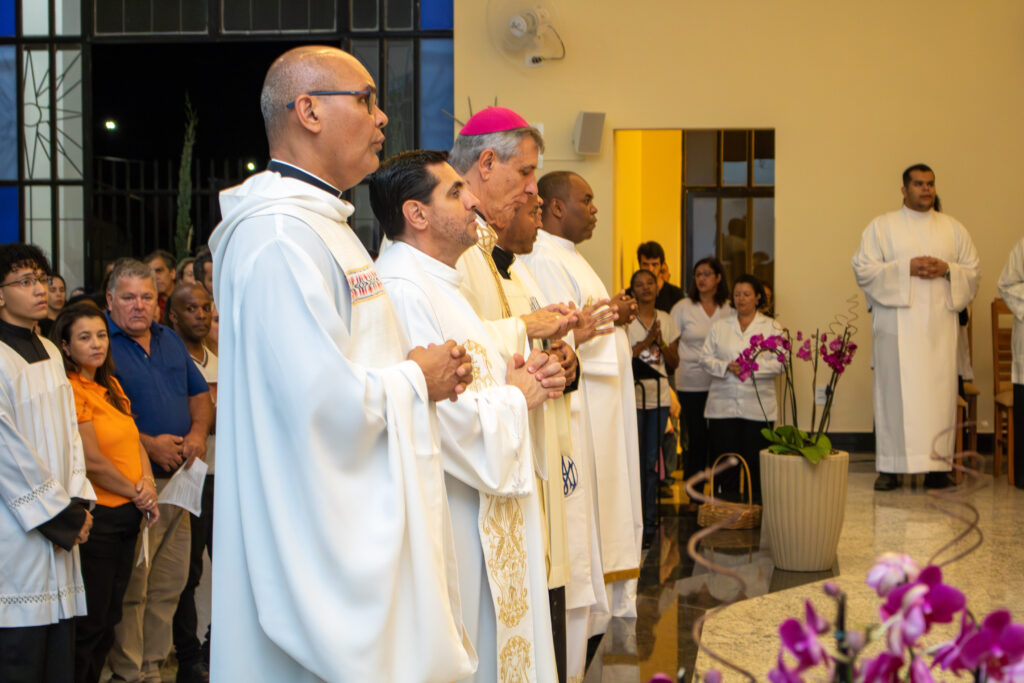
(173,411)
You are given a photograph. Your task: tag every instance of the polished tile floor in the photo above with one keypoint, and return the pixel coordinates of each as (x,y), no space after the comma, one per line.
(674,591)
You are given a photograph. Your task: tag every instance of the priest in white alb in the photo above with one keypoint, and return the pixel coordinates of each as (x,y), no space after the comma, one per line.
(334,551)
(918,269)
(427,211)
(606,389)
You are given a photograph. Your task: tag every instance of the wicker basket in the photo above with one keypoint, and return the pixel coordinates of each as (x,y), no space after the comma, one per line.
(715,511)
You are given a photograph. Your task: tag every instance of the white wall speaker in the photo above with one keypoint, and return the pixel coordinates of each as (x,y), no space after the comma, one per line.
(586,136)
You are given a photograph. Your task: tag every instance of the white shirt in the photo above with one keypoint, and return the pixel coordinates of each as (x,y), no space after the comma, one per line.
(693,324)
(727,395)
(655,393)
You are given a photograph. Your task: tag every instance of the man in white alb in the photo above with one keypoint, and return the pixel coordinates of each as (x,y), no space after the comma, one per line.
(427,211)
(333,544)
(918,268)
(569,217)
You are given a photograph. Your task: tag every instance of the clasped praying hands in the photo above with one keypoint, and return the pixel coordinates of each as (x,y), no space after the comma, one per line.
(928,267)
(447,368)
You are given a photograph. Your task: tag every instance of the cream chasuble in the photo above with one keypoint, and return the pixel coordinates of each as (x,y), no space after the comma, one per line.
(914,332)
(608,409)
(42,467)
(485,442)
(335,558)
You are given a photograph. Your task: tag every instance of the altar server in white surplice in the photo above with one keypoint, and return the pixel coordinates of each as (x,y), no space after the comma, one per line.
(43,485)
(334,548)
(918,269)
(427,211)
(569,217)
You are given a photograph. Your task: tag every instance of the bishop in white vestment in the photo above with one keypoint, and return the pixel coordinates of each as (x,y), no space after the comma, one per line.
(918,268)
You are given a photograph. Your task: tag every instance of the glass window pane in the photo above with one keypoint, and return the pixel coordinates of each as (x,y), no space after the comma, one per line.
(398,15)
(401,108)
(35,18)
(109,18)
(363,222)
(165,17)
(69,114)
(138,17)
(36,114)
(265,15)
(701,230)
(763,258)
(437,94)
(195,15)
(368,53)
(294,15)
(701,158)
(322,15)
(734,157)
(764,157)
(436,14)
(69,17)
(8,114)
(9,205)
(6,17)
(733,246)
(363,15)
(38,229)
(236,15)
(71,263)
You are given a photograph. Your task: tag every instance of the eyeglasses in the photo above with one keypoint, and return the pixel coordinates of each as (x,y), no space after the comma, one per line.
(369,93)
(30,281)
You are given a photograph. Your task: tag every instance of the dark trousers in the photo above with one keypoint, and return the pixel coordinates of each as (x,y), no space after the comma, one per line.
(651,427)
(1018,436)
(38,654)
(556,600)
(736,435)
(695,455)
(186,618)
(107,561)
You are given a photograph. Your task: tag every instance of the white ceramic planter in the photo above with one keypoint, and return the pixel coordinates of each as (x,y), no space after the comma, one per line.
(804,505)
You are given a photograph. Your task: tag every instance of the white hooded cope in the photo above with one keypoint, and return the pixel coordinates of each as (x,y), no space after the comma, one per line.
(334,550)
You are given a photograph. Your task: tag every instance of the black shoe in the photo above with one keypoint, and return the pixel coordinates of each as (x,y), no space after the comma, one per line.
(194,672)
(886,482)
(938,480)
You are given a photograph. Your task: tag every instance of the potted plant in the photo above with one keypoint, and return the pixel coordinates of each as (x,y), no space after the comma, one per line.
(803,479)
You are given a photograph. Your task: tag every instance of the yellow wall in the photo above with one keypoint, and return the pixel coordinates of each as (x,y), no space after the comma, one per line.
(647,196)
(855,93)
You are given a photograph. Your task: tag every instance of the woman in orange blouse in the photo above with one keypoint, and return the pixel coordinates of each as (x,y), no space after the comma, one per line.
(117,466)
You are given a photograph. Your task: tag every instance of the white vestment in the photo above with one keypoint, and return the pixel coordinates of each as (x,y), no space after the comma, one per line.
(334,553)
(914,327)
(571,520)
(608,409)
(485,442)
(1011,288)
(42,467)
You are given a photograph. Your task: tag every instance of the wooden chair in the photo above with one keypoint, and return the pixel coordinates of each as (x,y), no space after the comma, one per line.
(1002,388)
(971,393)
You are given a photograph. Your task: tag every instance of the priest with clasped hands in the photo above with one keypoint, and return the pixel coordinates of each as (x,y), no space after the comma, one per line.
(334,554)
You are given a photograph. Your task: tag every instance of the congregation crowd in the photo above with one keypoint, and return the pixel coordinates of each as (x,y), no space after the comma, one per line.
(429,466)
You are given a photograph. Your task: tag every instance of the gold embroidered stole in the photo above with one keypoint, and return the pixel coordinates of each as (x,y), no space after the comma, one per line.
(502,524)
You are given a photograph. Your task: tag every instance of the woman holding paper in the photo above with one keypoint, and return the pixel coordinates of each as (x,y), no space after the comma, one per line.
(117,466)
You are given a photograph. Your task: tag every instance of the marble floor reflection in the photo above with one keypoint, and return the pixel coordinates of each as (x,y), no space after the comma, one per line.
(674,591)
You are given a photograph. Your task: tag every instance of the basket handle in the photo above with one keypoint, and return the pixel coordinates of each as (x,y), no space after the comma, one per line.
(746,470)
